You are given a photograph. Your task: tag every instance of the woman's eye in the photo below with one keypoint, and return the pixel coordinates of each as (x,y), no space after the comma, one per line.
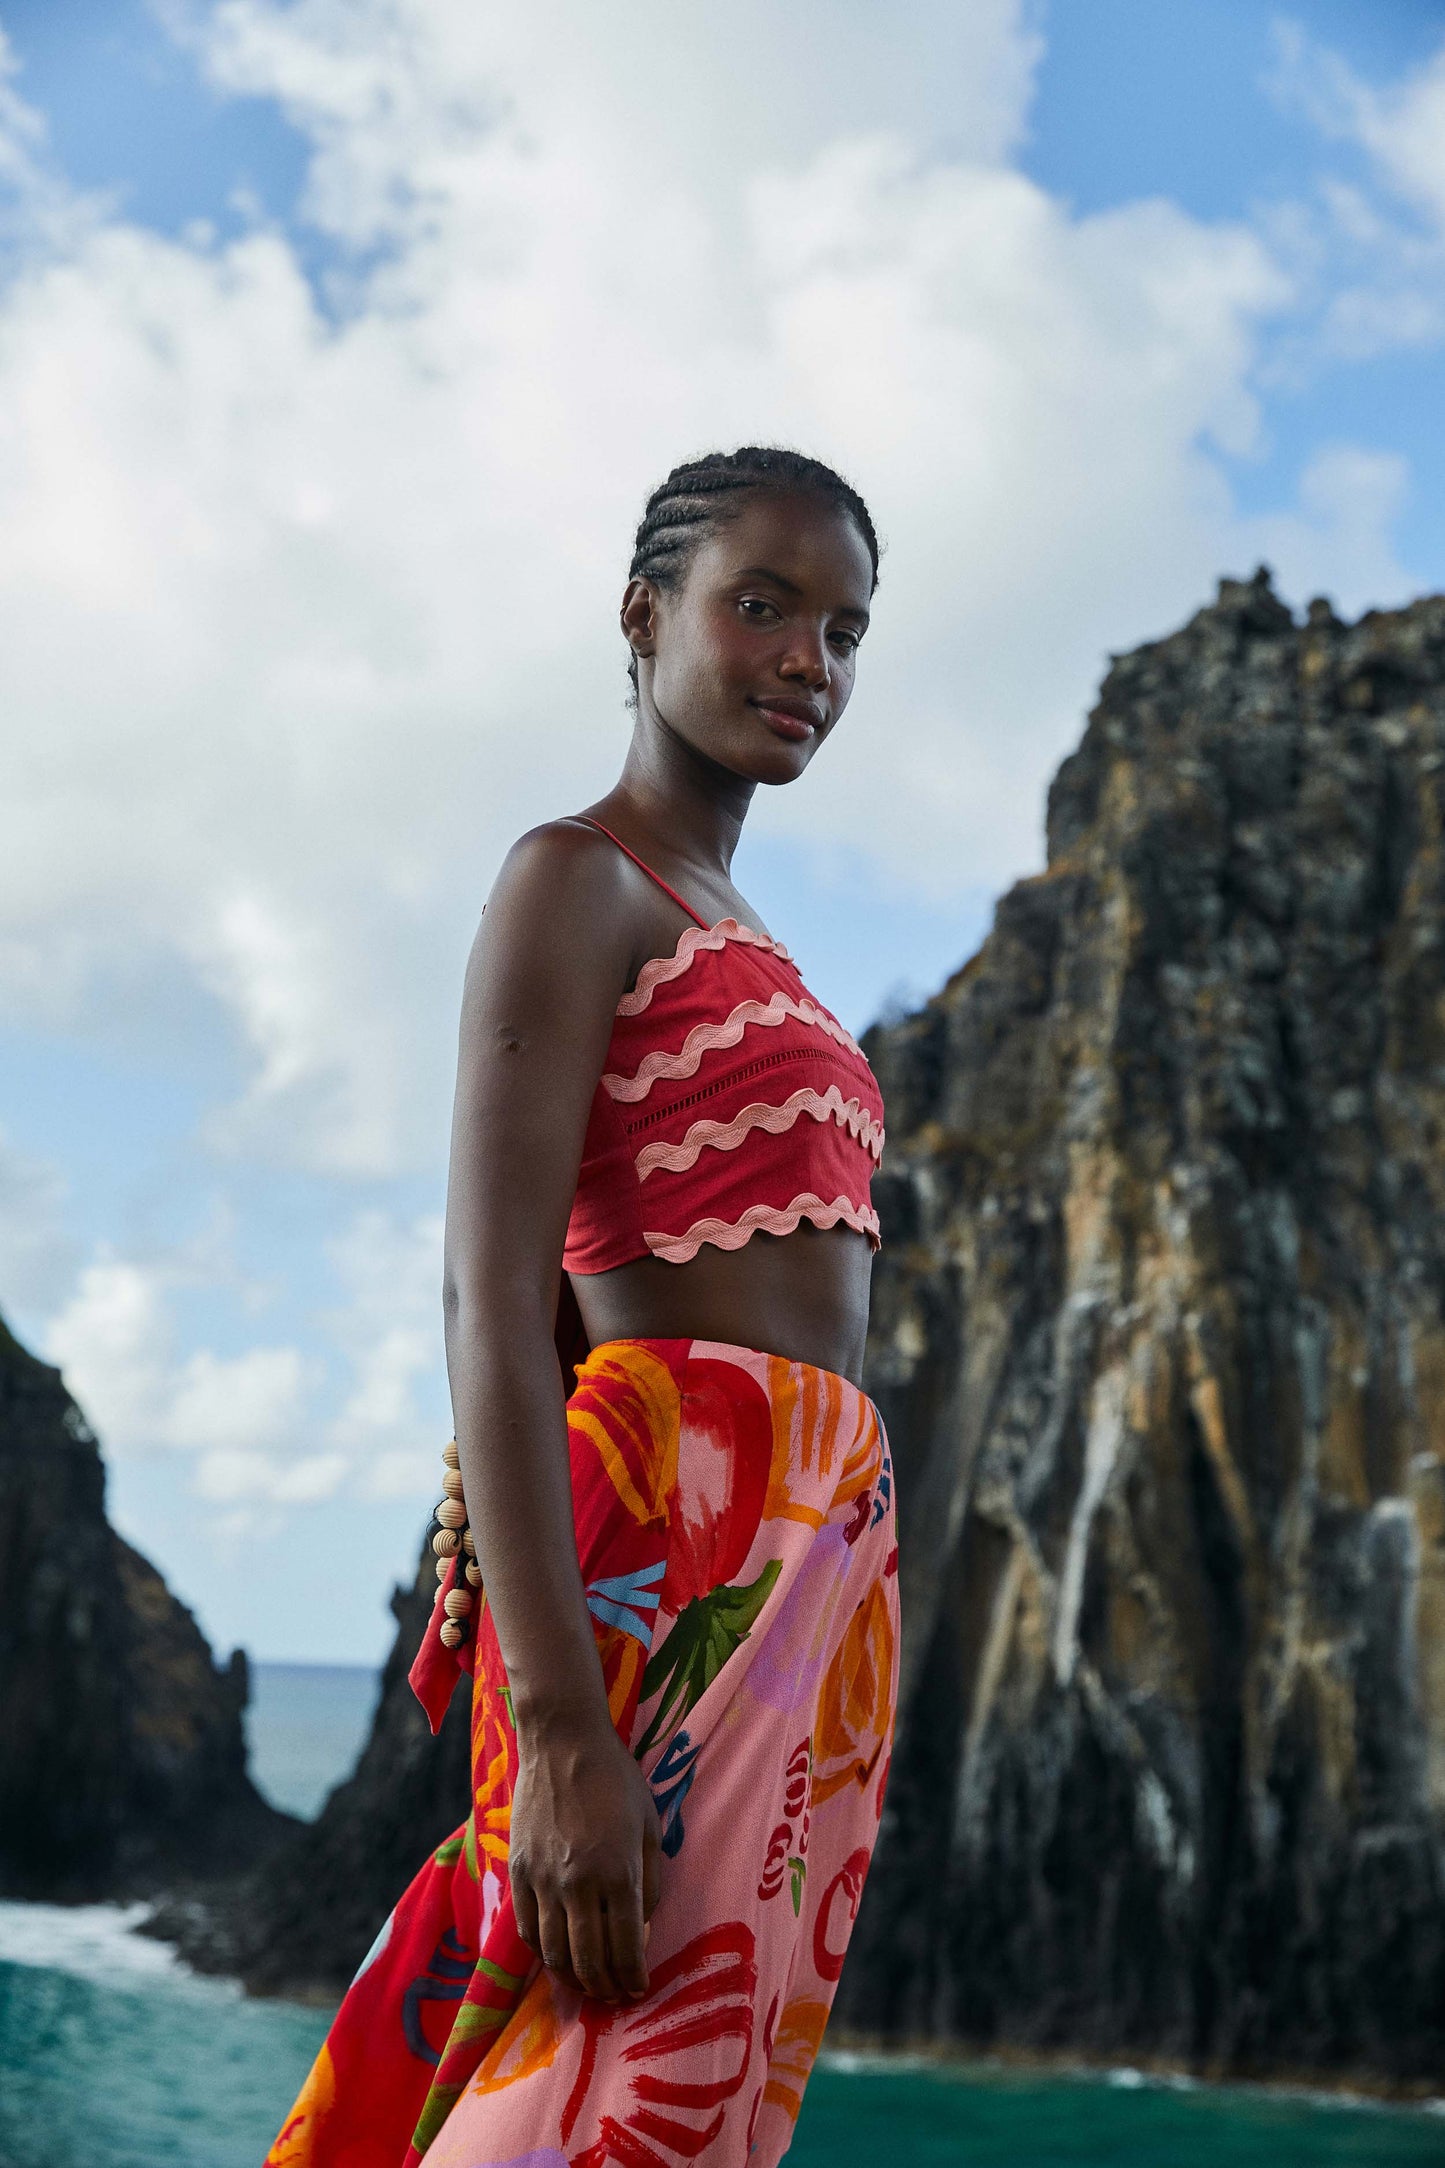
(757,608)
(847,639)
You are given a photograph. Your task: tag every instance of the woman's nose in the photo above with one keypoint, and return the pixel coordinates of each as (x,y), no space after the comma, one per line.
(807,660)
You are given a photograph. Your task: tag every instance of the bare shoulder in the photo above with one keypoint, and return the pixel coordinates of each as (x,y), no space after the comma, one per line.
(561,907)
(575,866)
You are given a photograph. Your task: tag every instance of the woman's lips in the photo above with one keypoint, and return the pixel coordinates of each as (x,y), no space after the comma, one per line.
(785,722)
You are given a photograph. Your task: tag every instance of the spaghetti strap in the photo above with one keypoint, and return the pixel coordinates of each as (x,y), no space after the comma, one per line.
(665,886)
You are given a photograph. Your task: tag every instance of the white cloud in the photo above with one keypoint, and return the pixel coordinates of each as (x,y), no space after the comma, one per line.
(228,1476)
(391,1333)
(395,91)
(234,1402)
(361,1412)
(1401,124)
(115,1339)
(1382,244)
(110,1339)
(307,609)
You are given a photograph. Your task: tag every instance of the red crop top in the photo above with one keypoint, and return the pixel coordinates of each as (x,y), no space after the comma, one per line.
(731,1101)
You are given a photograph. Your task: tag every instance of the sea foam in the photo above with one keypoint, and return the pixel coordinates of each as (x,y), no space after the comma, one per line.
(91,1942)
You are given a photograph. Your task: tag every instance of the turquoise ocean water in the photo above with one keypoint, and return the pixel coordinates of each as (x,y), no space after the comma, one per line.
(112,2056)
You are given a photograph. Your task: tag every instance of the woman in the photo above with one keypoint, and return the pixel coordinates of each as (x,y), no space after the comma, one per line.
(628,1953)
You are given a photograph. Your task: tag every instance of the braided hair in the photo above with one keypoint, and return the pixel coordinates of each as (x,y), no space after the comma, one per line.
(702,493)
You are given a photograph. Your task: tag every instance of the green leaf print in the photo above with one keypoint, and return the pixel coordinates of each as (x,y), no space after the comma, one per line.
(798,1869)
(709,1630)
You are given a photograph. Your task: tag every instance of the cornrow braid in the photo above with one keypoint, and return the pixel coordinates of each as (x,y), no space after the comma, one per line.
(701,493)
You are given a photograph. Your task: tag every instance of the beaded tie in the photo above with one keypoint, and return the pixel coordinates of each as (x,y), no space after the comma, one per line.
(449,1534)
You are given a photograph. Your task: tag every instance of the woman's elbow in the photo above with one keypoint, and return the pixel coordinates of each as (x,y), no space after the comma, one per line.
(477,1300)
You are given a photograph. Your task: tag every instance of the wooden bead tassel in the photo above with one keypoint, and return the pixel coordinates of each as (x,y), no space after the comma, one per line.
(453,1539)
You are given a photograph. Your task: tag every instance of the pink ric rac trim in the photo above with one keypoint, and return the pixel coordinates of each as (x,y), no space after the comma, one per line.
(764,1219)
(849,1114)
(661,969)
(706,1038)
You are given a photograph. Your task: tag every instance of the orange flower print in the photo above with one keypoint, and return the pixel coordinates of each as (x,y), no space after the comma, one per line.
(800,2035)
(855,1705)
(529,2043)
(626,1408)
(295,2146)
(493,1757)
(810,1434)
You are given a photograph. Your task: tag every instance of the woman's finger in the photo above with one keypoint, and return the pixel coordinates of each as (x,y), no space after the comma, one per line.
(651,1870)
(555,1940)
(524,1905)
(589,1944)
(627,1938)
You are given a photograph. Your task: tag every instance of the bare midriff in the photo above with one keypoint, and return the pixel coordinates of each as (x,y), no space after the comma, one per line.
(803,1296)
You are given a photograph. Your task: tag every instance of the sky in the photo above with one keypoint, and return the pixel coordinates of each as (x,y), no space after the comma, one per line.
(340,343)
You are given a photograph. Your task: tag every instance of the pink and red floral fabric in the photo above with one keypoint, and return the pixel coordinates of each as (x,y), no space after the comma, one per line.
(735,1526)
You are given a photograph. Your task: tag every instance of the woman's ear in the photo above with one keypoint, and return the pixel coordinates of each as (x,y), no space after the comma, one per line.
(639,617)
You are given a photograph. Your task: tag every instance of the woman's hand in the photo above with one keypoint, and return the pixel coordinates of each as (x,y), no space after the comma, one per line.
(585,1854)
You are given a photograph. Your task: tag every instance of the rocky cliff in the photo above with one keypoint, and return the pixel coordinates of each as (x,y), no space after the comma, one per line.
(1159,1334)
(302,1924)
(122,1755)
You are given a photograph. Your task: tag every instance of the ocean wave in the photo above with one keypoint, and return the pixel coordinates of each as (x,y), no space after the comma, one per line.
(94,1942)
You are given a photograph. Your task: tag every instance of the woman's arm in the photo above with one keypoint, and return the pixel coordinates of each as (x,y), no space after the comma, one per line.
(552,957)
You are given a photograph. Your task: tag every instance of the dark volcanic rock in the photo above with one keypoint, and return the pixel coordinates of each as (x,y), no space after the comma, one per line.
(122,1754)
(304,1922)
(1159,1333)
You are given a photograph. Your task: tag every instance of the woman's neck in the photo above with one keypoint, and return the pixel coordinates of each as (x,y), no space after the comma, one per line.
(689,803)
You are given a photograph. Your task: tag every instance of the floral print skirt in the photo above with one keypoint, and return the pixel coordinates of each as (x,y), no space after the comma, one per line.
(735,1525)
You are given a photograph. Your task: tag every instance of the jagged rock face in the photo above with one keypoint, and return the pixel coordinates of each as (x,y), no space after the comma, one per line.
(1159,1334)
(305,1920)
(122,1752)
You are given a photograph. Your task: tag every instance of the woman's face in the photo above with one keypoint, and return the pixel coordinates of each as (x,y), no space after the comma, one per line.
(751,661)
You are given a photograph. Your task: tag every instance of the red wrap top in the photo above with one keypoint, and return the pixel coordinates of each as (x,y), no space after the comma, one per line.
(731,1101)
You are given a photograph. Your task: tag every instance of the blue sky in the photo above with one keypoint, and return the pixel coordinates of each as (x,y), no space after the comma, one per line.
(335,360)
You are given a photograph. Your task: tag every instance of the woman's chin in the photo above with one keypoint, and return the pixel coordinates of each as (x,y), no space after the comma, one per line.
(767,759)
